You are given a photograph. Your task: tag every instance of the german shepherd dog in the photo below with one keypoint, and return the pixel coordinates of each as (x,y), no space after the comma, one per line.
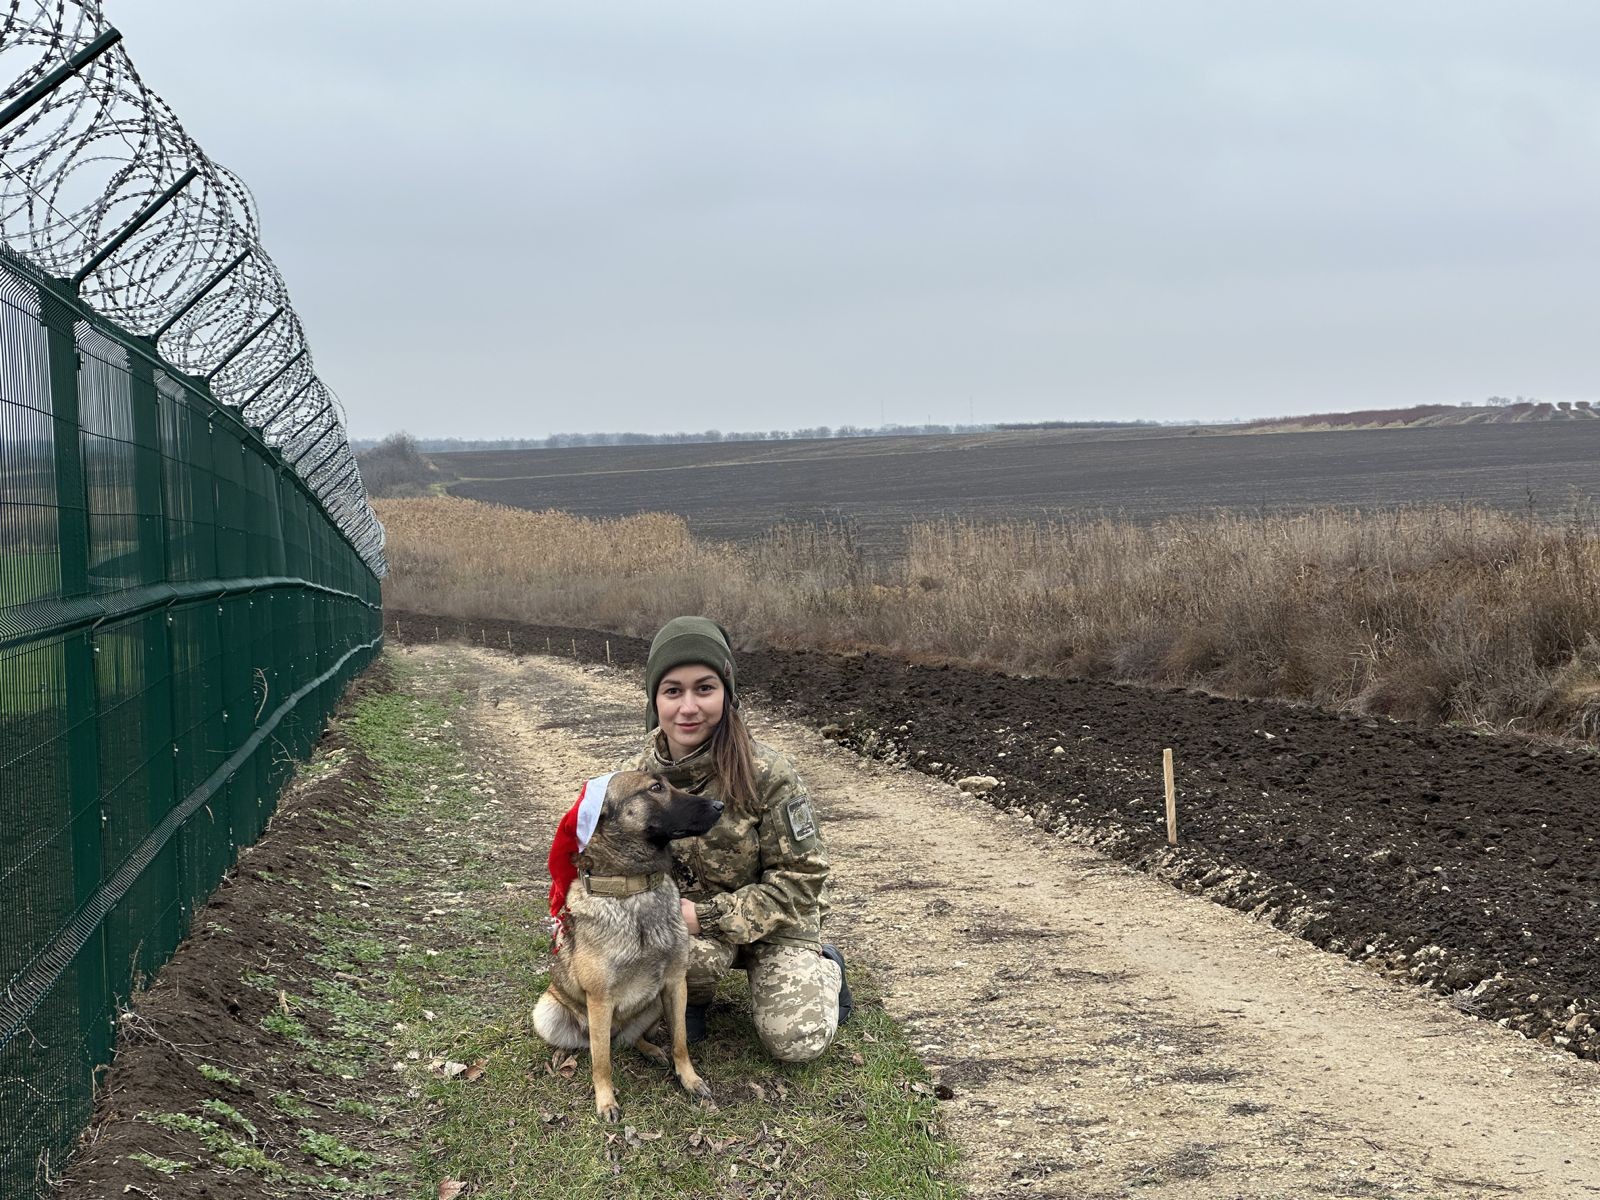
(622,957)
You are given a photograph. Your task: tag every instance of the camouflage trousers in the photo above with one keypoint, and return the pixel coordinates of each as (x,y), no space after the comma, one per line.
(794,992)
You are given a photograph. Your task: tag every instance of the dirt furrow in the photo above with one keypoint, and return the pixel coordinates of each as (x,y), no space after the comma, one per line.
(1103,1034)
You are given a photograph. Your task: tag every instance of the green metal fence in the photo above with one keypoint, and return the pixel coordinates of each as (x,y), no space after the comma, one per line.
(178,614)
(188,563)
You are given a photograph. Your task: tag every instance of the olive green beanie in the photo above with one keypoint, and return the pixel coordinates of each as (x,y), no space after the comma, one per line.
(684,640)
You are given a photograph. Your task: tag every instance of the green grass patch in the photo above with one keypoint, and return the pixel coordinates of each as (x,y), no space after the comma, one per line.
(293,1105)
(224,1148)
(232,1115)
(329,1150)
(167,1166)
(236,1156)
(349,948)
(285,1026)
(220,1075)
(435,998)
(220,1144)
(861,1121)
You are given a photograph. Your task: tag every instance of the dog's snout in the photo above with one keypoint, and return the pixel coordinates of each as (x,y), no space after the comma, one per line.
(716,806)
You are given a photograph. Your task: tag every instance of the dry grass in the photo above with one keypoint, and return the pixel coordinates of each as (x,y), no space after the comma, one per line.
(1440,613)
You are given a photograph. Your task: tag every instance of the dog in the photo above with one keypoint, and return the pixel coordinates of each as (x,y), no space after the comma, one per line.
(622,947)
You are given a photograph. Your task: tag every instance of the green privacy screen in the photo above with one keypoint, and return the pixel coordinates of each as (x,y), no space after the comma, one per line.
(188,564)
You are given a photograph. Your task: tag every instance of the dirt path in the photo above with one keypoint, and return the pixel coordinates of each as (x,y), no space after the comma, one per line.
(1104,1034)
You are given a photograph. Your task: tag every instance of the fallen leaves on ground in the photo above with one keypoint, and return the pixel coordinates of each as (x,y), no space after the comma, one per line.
(565,1067)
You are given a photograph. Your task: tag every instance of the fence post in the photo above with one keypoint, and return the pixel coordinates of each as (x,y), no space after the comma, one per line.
(158,719)
(82,732)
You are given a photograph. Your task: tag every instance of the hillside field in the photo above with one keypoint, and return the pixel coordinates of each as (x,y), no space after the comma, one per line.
(734,491)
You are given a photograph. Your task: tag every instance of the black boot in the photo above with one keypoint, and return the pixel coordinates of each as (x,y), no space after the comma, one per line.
(694,1023)
(846,1004)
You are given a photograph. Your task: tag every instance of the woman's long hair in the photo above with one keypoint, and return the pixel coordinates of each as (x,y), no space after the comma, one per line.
(733,755)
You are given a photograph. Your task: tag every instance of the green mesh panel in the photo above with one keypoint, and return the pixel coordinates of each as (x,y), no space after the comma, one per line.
(176,609)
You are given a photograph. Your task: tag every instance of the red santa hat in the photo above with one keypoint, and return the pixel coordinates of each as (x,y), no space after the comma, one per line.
(572,837)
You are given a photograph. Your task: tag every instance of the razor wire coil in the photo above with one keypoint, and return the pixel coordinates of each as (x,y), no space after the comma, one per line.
(101,186)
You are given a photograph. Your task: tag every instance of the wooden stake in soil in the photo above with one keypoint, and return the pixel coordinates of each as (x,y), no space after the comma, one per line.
(436,633)
(1172,798)
(574,647)
(508,639)
(608,653)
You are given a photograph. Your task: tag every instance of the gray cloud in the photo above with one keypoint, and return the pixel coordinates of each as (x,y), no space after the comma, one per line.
(514,218)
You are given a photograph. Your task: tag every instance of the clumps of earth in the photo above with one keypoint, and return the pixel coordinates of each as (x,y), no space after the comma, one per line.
(1473,984)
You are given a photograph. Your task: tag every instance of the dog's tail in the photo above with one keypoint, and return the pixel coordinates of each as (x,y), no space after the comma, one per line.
(558,1025)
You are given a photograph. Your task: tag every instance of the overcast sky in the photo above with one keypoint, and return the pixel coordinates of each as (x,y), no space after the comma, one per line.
(515,218)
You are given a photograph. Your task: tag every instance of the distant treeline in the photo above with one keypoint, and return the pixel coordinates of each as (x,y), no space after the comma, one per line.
(559,441)
(1085,424)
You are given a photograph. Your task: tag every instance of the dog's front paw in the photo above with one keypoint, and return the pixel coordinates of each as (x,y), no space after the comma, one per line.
(693,1084)
(610,1112)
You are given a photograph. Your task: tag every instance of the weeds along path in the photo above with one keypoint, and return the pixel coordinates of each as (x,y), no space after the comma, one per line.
(1103,1034)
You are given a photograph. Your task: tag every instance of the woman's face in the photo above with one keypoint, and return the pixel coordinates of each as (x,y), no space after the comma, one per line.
(689,702)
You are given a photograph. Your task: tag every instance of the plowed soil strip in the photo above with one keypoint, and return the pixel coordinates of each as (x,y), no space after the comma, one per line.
(1468,863)
(1104,1034)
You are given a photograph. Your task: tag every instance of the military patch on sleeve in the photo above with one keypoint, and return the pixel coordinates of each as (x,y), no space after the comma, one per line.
(801,823)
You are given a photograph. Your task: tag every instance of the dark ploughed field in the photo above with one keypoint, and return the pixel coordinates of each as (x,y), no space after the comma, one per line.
(1470,864)
(733,491)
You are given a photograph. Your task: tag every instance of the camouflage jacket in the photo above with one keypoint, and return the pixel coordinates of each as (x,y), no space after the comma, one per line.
(752,877)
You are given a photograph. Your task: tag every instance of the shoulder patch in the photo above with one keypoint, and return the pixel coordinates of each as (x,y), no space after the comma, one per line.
(801,823)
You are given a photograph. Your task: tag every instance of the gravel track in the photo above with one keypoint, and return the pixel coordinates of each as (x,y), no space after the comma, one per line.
(1104,1034)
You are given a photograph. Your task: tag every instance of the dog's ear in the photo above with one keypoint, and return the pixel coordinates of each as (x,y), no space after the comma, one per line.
(625,786)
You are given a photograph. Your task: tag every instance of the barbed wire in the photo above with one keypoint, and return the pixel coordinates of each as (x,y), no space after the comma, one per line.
(101,186)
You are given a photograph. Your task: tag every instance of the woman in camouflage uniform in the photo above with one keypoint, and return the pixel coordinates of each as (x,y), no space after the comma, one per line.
(752,886)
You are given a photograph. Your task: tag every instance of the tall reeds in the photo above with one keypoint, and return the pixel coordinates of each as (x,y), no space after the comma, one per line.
(1456,613)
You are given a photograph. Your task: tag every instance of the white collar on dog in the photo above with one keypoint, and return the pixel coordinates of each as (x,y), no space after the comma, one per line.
(589,804)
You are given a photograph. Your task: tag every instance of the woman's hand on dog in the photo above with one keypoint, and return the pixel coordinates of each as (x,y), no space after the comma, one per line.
(689,919)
